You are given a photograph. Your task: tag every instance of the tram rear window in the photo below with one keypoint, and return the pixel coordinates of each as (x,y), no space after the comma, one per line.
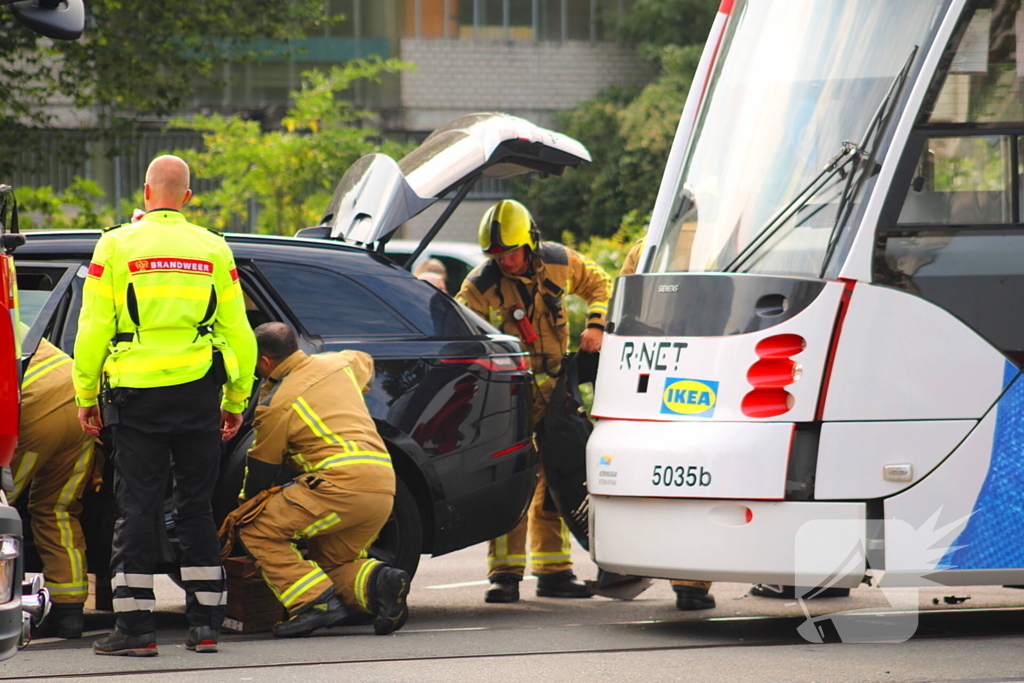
(985,80)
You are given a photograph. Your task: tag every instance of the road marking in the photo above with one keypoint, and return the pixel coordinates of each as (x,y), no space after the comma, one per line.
(464,584)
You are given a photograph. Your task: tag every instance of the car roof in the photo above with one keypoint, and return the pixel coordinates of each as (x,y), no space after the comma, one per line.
(355,260)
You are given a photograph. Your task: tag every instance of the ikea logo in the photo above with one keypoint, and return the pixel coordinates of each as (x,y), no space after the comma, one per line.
(693,397)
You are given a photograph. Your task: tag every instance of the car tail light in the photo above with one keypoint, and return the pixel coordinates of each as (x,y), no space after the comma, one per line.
(516,363)
(771,374)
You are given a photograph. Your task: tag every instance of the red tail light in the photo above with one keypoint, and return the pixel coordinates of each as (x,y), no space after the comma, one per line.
(769,376)
(774,373)
(780,346)
(494,363)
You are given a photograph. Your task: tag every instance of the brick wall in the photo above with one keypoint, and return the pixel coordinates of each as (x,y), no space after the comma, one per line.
(526,78)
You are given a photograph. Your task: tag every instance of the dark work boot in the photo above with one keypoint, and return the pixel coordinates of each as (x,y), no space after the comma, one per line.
(504,588)
(201,639)
(561,584)
(768,590)
(65,620)
(391,586)
(693,598)
(326,610)
(117,643)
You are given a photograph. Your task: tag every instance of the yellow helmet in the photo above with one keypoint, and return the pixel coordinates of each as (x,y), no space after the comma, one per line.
(507,226)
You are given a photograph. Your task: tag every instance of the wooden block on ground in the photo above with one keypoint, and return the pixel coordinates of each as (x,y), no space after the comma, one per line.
(250,600)
(240,568)
(101,595)
(255,623)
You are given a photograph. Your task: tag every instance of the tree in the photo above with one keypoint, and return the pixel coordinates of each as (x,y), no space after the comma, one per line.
(629,133)
(137,56)
(289,173)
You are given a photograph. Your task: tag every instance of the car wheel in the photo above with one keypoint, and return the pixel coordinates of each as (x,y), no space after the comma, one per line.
(400,541)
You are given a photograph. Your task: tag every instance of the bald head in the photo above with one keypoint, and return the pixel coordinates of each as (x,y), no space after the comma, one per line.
(167,183)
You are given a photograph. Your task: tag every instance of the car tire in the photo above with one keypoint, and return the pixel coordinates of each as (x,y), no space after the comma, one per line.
(400,541)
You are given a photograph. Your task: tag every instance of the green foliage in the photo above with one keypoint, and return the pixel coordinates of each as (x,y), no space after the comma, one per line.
(72,209)
(628,133)
(668,22)
(137,56)
(292,172)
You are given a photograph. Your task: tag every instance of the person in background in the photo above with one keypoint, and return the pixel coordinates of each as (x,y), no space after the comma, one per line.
(690,595)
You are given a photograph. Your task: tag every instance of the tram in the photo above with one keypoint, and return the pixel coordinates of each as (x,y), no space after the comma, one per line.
(815,374)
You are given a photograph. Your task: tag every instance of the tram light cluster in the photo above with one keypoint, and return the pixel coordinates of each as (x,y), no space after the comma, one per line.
(771,374)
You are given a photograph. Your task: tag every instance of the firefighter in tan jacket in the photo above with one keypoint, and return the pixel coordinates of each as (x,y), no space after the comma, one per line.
(521,290)
(53,461)
(690,595)
(311,411)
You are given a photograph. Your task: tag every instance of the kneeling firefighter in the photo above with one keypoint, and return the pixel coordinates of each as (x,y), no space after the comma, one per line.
(521,291)
(311,409)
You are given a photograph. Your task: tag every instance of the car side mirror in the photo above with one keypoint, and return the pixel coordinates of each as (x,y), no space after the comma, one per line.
(57,19)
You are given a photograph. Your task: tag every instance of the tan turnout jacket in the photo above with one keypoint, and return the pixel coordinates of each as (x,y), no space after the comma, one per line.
(311,410)
(556,272)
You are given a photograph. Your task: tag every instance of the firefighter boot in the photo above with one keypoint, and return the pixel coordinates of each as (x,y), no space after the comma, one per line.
(504,588)
(326,610)
(201,639)
(390,588)
(561,584)
(693,598)
(65,621)
(118,643)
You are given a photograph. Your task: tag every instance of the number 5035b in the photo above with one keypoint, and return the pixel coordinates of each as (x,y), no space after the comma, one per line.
(680,475)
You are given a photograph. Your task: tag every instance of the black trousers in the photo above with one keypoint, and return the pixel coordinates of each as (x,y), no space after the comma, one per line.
(166,430)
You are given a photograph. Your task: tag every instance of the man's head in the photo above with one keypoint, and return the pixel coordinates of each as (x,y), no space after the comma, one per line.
(167,183)
(508,235)
(274,343)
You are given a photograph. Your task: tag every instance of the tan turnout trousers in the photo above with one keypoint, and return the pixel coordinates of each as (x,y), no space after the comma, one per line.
(339,525)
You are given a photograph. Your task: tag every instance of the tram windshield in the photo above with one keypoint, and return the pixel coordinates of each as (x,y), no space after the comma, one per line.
(795,81)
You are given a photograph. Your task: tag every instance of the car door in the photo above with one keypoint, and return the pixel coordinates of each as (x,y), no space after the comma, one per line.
(45,297)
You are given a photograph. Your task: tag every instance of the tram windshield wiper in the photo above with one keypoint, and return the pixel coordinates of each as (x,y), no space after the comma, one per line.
(850,154)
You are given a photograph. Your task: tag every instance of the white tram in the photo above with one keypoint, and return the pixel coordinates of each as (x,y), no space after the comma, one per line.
(817,369)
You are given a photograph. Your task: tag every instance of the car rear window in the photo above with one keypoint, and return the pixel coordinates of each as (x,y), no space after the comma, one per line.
(332,305)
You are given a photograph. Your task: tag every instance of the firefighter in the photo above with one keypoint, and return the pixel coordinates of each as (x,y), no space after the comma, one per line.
(55,456)
(690,595)
(521,290)
(163,330)
(311,411)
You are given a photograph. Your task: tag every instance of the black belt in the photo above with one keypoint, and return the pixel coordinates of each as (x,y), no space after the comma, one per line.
(124,337)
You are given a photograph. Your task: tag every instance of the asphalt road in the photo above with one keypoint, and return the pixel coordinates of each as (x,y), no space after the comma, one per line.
(453,635)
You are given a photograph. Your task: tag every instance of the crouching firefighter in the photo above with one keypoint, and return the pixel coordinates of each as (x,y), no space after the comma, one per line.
(311,410)
(521,291)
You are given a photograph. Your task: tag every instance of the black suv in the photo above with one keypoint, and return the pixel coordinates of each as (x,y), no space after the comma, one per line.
(451,395)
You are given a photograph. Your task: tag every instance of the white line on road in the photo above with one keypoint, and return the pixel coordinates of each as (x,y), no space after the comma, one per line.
(470,583)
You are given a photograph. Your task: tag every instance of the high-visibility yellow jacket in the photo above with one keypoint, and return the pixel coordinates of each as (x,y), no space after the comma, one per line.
(159,296)
(556,271)
(311,410)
